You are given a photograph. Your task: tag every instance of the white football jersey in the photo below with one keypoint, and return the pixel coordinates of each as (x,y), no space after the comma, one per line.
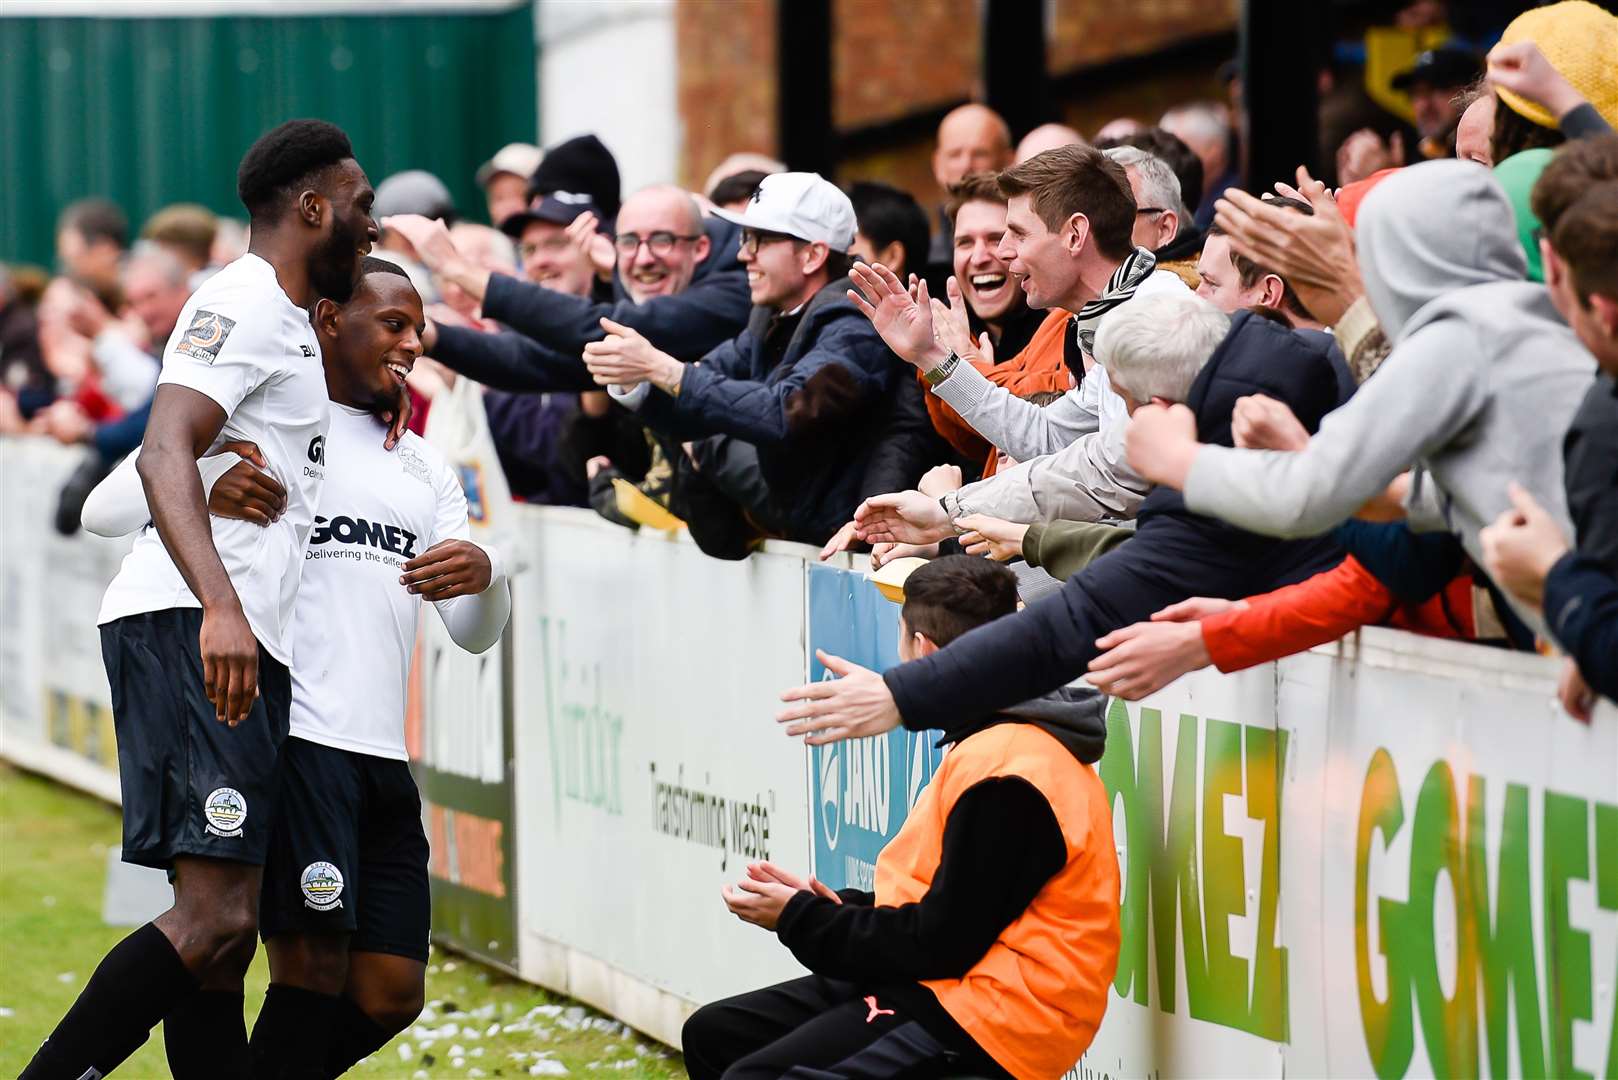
(243,342)
(356,624)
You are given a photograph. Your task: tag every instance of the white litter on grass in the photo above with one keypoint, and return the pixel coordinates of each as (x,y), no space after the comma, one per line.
(494,1029)
(547,1067)
(459,1063)
(48,901)
(66,977)
(5,1013)
(484,1013)
(419,1074)
(406,1051)
(477,1051)
(450,965)
(545,1010)
(611,1027)
(457,1051)
(476,1072)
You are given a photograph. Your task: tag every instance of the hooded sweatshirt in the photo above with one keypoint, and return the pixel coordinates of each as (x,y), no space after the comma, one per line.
(1483,380)
(995,916)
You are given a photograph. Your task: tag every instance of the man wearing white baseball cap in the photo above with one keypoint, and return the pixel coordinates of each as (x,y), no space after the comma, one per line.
(808,383)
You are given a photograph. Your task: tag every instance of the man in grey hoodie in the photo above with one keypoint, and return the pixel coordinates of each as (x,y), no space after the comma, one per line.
(1482,382)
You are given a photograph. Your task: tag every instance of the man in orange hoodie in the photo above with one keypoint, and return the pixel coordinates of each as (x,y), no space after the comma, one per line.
(992,936)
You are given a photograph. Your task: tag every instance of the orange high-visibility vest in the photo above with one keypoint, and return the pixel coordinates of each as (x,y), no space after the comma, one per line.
(1034,1001)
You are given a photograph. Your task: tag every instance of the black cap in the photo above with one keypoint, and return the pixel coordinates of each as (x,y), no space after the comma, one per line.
(581,164)
(1447,66)
(557,208)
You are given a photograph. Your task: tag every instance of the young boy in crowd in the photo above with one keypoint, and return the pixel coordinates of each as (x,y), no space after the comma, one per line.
(992,936)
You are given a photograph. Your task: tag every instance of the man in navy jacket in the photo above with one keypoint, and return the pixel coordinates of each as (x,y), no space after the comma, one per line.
(1175,554)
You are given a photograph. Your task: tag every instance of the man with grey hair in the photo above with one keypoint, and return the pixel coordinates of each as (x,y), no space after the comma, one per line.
(1204,126)
(1159,207)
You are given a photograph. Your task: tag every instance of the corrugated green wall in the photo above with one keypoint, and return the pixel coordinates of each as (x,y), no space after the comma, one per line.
(152,111)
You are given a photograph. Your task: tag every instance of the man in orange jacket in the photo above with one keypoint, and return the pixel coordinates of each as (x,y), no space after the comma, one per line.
(992,936)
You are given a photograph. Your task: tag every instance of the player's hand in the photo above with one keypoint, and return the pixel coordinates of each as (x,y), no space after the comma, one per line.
(1262,423)
(854,705)
(992,537)
(247,493)
(1142,659)
(448,568)
(397,419)
(902,517)
(229,662)
(1314,253)
(757,902)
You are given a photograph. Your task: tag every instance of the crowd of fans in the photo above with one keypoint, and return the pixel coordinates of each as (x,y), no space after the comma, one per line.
(1327,394)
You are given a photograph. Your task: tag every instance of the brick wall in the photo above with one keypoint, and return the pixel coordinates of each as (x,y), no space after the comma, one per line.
(726,56)
(895,57)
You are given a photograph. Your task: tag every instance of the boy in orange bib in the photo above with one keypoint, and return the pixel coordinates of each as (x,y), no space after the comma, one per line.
(992,936)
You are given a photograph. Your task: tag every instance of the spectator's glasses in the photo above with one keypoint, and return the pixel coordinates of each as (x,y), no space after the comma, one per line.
(1151,210)
(660,244)
(753,239)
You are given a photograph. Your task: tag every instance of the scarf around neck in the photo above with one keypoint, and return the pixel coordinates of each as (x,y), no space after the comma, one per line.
(1120,288)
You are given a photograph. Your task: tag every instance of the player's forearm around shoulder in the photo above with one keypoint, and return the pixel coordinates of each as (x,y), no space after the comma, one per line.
(183,424)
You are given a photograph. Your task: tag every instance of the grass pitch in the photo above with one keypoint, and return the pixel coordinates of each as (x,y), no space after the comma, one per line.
(478,1023)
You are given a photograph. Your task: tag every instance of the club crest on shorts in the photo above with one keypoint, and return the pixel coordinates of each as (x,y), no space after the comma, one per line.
(225,810)
(322,885)
(205,336)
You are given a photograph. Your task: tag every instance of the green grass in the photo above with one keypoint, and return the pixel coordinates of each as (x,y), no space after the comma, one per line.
(53,853)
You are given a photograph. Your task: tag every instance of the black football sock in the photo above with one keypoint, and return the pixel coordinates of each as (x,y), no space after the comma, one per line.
(206,1037)
(292,1033)
(140,980)
(355,1037)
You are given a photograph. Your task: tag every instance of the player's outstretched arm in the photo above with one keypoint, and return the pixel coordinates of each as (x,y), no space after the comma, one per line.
(183,424)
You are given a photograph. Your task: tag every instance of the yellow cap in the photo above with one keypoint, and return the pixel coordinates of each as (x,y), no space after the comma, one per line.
(1581,42)
(890,579)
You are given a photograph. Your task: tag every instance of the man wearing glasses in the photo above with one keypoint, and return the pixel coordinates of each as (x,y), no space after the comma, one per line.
(808,383)
(676,279)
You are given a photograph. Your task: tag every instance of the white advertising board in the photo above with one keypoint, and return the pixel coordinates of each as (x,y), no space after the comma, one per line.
(649,769)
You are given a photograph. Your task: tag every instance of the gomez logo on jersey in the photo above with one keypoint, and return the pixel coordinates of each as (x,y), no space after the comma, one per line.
(378,534)
(205,336)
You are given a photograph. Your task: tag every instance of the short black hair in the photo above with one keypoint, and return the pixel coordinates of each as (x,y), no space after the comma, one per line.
(285,158)
(96,219)
(1180,158)
(885,214)
(370,264)
(736,186)
(957,593)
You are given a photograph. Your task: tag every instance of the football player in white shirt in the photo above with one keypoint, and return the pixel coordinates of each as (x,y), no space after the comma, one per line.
(346,907)
(196,626)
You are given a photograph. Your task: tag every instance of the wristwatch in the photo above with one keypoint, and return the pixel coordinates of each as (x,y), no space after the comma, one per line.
(943,371)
